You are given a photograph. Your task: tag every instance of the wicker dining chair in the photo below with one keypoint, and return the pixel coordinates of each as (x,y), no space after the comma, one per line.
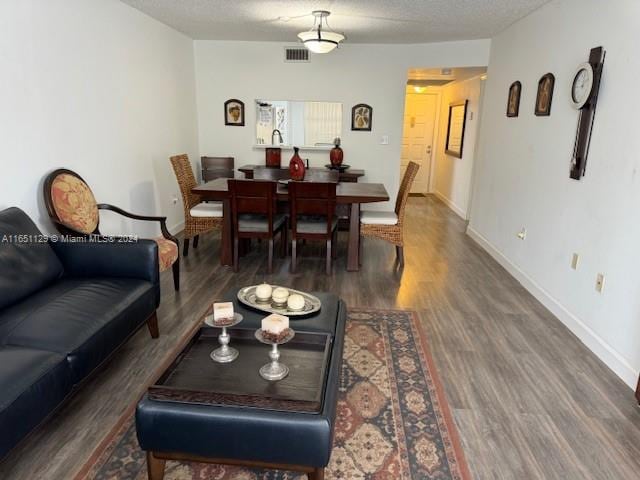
(199,217)
(389,225)
(74,211)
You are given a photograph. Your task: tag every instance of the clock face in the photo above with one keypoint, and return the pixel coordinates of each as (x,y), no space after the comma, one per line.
(582,85)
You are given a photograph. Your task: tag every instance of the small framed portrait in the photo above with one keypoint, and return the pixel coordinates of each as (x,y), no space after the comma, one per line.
(545,95)
(361,117)
(234,113)
(513,102)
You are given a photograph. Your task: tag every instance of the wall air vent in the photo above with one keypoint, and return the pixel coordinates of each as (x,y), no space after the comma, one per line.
(296,54)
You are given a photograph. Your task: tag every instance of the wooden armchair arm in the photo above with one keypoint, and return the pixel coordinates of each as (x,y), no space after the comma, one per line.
(146,218)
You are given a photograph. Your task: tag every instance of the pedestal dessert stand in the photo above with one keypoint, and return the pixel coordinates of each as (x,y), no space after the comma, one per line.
(274,370)
(224,353)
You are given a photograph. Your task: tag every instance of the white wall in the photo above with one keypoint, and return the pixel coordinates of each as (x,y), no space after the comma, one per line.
(373,74)
(523,174)
(453,176)
(100,88)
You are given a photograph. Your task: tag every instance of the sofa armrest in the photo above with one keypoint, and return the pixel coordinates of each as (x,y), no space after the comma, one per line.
(101,258)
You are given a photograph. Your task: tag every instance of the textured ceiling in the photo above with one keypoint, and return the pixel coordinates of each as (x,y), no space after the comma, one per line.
(363,21)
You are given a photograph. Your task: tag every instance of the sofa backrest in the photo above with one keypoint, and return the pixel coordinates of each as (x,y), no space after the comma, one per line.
(27,262)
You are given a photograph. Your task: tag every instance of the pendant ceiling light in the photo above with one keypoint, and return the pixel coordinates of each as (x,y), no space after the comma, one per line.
(320,39)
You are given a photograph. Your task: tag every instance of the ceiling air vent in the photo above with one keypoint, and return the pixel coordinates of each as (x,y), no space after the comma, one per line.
(296,54)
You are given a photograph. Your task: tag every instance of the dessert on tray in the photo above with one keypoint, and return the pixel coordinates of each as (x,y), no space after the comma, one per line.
(275,327)
(223,314)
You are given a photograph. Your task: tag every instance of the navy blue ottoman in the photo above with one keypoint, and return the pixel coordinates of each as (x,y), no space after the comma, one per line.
(249,436)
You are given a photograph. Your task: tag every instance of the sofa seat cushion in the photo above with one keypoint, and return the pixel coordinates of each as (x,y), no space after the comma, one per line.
(32,383)
(83,319)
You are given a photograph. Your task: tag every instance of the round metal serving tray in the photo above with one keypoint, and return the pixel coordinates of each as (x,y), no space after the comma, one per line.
(247,296)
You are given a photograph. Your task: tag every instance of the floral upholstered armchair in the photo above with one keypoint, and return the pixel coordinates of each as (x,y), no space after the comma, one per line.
(74,211)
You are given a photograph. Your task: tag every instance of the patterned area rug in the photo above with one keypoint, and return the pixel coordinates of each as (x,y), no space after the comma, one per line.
(393,421)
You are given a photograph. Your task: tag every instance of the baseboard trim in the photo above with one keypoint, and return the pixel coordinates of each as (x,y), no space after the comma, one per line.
(177,228)
(611,358)
(456,209)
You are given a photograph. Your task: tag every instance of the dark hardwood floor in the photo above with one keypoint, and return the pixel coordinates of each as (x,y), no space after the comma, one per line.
(530,401)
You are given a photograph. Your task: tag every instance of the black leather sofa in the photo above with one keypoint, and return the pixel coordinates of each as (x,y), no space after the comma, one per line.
(64,309)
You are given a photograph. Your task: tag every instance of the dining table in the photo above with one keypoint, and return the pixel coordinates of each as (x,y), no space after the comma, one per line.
(349,197)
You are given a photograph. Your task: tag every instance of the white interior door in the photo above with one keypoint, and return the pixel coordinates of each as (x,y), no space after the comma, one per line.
(417,137)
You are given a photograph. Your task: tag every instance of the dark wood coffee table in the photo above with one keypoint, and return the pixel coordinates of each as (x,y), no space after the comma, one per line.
(225,395)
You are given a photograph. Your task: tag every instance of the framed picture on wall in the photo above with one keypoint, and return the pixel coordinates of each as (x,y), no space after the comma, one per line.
(513,102)
(455,128)
(545,95)
(234,113)
(361,117)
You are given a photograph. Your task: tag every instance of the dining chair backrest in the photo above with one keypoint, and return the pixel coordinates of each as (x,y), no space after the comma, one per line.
(252,197)
(216,167)
(405,188)
(312,198)
(322,175)
(186,181)
(270,173)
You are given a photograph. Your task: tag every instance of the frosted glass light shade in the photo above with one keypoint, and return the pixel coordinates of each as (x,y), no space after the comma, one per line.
(320,42)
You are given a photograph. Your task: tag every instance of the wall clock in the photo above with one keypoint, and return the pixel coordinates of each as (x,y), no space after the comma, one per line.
(581,85)
(585,85)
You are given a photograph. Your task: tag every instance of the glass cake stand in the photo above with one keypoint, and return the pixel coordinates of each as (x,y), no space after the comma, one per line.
(224,353)
(274,370)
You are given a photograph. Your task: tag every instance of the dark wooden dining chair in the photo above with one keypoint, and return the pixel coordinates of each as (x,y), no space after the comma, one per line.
(254,215)
(312,210)
(216,167)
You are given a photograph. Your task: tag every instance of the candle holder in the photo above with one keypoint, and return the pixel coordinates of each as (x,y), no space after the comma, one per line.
(274,370)
(225,353)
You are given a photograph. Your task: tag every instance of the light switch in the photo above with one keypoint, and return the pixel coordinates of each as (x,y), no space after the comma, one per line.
(384,140)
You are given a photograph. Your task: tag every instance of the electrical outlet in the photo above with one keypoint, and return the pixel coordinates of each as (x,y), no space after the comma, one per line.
(599,283)
(575,260)
(522,234)
(174,200)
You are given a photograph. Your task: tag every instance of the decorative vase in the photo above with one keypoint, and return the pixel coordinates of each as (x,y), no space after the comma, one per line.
(336,154)
(296,166)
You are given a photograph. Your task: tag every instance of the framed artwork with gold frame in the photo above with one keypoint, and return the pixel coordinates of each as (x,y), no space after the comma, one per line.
(513,102)
(545,95)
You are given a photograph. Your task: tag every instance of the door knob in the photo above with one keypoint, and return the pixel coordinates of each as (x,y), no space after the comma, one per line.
(429,149)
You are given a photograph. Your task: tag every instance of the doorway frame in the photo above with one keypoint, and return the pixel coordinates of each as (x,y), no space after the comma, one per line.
(435,91)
